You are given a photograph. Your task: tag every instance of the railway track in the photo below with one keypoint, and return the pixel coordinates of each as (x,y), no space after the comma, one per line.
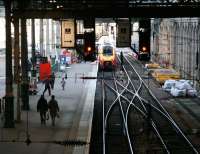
(115,131)
(133,119)
(159,124)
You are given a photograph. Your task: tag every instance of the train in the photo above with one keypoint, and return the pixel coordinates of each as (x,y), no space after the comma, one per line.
(107,57)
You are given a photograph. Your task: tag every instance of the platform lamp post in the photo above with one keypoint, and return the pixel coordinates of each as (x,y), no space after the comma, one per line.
(24,60)
(16,86)
(33,81)
(33,48)
(9,105)
(42,52)
(24,53)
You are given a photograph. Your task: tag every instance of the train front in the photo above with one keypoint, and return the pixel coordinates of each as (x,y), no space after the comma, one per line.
(107,57)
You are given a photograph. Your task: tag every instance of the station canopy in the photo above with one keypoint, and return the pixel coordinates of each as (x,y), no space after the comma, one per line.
(102,8)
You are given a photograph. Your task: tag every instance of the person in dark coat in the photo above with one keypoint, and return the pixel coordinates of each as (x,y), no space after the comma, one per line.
(52,80)
(42,107)
(53,109)
(47,86)
(122,59)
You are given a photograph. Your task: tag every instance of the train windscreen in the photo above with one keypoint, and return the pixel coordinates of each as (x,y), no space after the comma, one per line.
(107,51)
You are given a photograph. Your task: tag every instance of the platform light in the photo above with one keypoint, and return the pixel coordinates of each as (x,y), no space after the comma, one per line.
(59,6)
(89,49)
(144,49)
(52,1)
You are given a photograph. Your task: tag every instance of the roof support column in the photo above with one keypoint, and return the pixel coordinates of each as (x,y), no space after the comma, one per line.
(42,52)
(33,47)
(58,35)
(17,69)
(53,37)
(16,49)
(47,38)
(24,55)
(9,105)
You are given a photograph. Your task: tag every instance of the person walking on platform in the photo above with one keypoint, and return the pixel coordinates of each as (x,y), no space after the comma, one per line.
(53,109)
(63,83)
(42,107)
(47,86)
(52,80)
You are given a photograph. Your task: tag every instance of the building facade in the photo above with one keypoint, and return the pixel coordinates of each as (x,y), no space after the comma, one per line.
(175,42)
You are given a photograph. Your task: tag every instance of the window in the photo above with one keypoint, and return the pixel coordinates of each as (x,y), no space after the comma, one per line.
(107,51)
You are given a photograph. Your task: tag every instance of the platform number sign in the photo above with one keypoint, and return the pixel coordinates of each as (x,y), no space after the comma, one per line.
(67,33)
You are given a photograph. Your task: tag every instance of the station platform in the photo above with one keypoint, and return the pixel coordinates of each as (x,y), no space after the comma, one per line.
(76,104)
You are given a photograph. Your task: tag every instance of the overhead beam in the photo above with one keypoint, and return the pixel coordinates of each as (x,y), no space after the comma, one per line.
(150,12)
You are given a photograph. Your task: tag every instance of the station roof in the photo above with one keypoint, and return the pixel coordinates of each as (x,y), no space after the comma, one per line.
(103,8)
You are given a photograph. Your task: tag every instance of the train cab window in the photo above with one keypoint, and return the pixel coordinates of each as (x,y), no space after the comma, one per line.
(107,51)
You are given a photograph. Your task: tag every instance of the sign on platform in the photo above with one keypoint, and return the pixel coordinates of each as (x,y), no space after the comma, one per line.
(68,33)
(123,33)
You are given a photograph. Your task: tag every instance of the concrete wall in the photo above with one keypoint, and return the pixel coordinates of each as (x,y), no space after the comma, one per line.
(175,42)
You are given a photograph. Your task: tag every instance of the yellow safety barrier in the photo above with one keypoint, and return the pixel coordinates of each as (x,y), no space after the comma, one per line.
(161,75)
(152,66)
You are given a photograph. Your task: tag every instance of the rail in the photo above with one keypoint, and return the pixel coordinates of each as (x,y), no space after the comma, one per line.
(145,114)
(163,112)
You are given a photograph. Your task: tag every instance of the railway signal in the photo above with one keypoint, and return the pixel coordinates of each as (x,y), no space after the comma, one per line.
(144,39)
